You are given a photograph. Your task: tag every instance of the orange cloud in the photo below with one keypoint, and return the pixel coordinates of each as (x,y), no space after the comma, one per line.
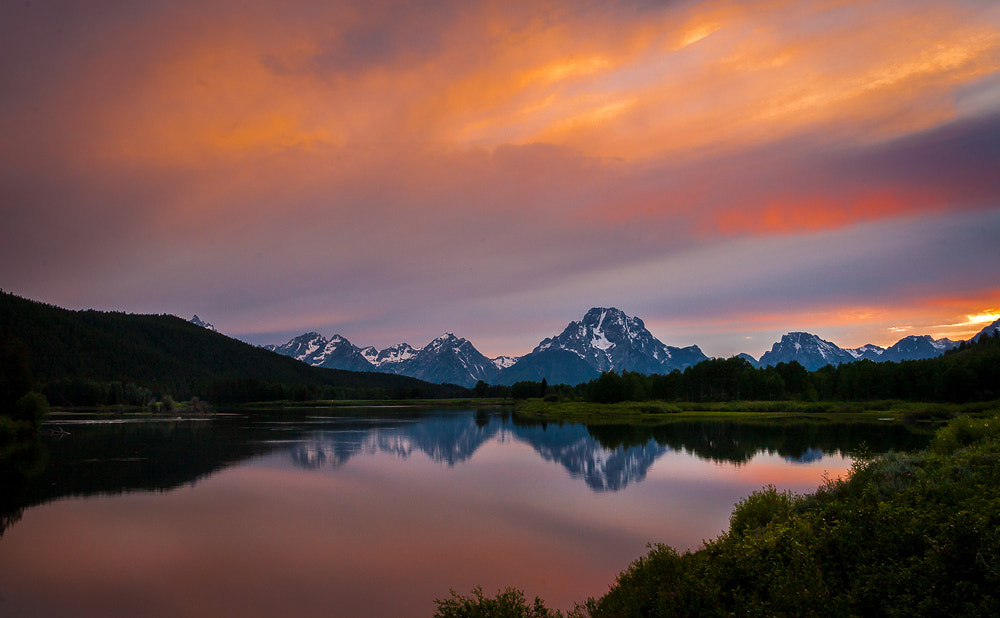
(825,212)
(851,324)
(680,81)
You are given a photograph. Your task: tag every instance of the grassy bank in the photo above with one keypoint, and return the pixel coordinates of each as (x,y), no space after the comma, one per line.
(463,403)
(902,535)
(654,412)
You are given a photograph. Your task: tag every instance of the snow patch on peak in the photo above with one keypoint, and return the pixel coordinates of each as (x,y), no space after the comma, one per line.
(393,355)
(600,341)
(199,322)
(370,354)
(868,350)
(943,344)
(311,348)
(502,362)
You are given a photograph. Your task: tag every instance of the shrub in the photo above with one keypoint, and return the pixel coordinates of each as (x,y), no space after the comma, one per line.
(31,408)
(509,603)
(761,508)
(962,432)
(903,534)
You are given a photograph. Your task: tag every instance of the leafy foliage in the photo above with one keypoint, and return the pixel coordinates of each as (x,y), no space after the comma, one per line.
(31,409)
(21,409)
(508,603)
(903,535)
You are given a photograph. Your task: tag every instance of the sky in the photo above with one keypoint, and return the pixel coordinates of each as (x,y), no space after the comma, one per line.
(726,170)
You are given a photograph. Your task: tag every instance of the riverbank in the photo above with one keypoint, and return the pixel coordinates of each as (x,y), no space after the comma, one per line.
(658,412)
(202,408)
(354,404)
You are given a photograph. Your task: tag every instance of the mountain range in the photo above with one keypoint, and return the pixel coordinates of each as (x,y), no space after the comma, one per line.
(604,339)
(812,352)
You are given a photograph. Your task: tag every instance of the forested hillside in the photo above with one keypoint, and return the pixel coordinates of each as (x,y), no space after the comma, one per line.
(95,357)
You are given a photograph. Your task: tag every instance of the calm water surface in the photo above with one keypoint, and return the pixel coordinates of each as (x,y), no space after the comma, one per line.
(329,514)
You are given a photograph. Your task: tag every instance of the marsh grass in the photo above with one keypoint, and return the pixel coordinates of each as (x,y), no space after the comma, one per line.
(651,412)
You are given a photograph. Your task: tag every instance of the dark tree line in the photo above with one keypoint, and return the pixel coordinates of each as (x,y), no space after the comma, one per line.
(970,372)
(94,358)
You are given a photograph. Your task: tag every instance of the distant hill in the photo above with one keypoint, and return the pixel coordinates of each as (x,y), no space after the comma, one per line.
(170,355)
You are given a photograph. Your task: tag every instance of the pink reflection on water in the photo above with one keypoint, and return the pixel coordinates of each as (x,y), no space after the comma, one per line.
(378,536)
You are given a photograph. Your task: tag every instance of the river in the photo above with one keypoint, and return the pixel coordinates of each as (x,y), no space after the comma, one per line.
(373,512)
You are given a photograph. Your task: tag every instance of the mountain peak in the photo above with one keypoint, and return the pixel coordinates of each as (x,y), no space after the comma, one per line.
(869,351)
(599,316)
(915,347)
(807,349)
(199,322)
(608,339)
(987,332)
(446,340)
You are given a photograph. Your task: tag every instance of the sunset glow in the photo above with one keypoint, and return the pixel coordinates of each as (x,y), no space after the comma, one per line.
(723,169)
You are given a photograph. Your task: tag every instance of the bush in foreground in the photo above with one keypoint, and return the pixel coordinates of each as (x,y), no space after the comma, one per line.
(509,603)
(902,535)
(24,419)
(32,408)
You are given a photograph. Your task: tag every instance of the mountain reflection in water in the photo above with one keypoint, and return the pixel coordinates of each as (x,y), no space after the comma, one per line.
(163,454)
(372,512)
(607,457)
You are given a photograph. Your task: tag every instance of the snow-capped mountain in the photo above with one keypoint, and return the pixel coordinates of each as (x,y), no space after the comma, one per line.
(339,353)
(389,357)
(869,351)
(809,350)
(300,348)
(608,339)
(448,359)
(316,350)
(812,352)
(605,339)
(916,347)
(503,362)
(198,322)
